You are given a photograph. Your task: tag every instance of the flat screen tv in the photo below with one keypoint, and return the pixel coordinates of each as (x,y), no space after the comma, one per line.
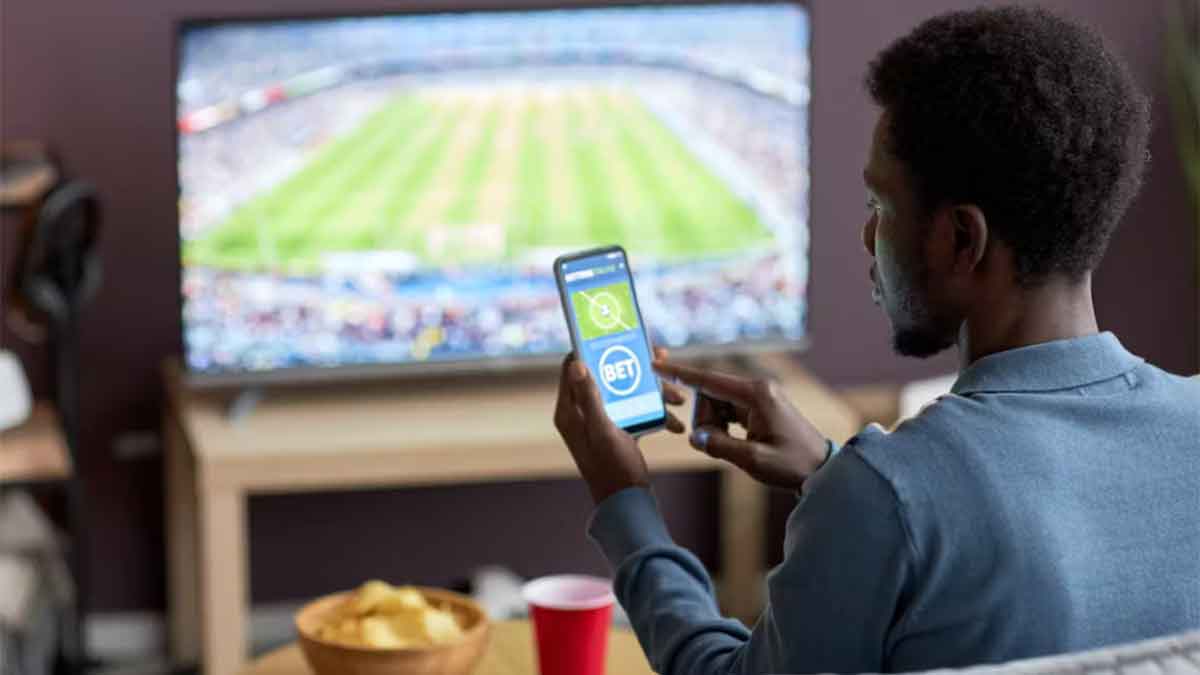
(385,194)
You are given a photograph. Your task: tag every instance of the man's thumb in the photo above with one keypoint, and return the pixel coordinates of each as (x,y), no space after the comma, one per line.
(587,397)
(719,444)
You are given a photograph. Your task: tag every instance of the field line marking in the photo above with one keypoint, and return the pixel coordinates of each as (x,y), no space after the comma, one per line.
(592,302)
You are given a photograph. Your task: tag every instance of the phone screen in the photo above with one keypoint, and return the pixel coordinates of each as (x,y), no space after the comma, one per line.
(609,336)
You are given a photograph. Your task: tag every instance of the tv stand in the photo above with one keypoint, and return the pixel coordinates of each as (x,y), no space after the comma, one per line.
(302,440)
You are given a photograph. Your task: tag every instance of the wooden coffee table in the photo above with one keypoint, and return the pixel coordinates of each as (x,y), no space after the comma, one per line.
(511,652)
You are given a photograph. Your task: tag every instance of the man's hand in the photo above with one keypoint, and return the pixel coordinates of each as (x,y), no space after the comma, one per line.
(781,447)
(607,456)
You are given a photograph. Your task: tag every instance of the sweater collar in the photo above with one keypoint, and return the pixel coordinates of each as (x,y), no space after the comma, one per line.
(1058,364)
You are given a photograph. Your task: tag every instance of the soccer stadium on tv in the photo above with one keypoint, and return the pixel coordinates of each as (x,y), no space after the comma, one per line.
(393,189)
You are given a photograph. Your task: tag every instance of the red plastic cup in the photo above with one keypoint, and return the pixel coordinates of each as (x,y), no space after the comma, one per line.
(571,618)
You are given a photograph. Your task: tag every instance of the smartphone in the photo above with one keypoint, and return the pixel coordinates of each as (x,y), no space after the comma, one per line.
(609,336)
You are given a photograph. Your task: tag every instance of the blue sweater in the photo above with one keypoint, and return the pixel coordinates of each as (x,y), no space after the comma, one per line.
(1051,503)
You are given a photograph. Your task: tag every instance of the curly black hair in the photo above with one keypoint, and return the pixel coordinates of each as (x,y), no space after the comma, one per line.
(1028,116)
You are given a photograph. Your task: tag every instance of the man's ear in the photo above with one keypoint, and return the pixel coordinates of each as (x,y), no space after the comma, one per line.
(970,236)
(957,240)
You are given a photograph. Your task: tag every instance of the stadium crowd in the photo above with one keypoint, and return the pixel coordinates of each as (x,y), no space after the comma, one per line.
(219,171)
(219,62)
(236,321)
(748,126)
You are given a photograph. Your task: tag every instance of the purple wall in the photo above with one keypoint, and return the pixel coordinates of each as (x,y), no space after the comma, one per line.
(95,80)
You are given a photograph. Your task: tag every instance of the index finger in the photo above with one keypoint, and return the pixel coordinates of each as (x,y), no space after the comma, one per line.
(719,385)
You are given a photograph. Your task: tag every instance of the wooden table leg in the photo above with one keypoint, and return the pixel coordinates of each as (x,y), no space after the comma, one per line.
(182,581)
(223,572)
(743,544)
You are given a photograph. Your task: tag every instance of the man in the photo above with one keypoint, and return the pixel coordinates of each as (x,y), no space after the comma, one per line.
(1052,502)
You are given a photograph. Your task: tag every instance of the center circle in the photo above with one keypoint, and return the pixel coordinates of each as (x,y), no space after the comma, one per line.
(637,370)
(605,310)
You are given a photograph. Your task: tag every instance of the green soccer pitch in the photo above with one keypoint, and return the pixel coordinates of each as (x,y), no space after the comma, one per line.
(604,310)
(485,174)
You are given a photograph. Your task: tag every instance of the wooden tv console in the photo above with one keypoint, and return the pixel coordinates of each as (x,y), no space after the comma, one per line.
(395,435)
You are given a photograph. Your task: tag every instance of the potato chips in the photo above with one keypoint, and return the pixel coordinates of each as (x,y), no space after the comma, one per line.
(389,617)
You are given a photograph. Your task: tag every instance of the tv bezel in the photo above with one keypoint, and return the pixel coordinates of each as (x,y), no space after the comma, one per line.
(477,366)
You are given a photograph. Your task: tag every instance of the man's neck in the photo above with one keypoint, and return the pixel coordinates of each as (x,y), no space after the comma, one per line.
(1056,310)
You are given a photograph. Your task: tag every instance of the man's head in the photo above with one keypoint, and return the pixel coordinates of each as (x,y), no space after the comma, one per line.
(1009,145)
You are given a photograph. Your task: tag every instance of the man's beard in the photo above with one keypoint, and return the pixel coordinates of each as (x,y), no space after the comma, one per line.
(918,342)
(924,334)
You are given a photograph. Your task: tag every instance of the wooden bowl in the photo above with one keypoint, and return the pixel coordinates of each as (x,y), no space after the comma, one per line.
(456,658)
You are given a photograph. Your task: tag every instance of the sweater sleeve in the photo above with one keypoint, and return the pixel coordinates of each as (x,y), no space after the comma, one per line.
(830,604)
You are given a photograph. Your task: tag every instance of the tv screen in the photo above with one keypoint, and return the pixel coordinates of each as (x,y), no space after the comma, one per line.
(391,190)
